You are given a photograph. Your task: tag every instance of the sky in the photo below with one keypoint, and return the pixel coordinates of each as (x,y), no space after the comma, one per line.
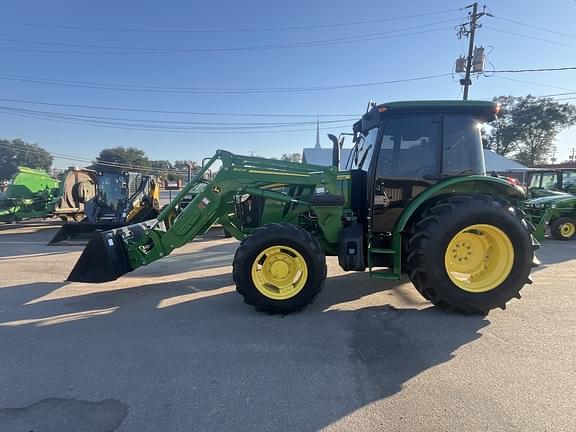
(63,58)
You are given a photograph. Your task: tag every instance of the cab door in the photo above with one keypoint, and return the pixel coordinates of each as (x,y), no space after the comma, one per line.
(408,161)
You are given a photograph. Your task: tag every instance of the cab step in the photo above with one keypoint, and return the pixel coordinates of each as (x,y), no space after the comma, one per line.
(387,274)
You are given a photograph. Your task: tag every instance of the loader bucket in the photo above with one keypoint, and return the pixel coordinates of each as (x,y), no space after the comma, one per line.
(79,231)
(103,259)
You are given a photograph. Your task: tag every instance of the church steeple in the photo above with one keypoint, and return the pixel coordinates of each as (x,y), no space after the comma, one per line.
(317,146)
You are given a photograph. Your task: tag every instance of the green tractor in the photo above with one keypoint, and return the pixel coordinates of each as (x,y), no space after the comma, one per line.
(413,199)
(556,212)
(547,182)
(29,194)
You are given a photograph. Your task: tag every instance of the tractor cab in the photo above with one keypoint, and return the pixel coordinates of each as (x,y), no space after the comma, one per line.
(405,147)
(544,182)
(111,197)
(547,182)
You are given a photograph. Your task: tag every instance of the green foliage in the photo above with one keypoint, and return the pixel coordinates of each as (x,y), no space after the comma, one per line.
(161,168)
(127,158)
(527,127)
(291,157)
(15,153)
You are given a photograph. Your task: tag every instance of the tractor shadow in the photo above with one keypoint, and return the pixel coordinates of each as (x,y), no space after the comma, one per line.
(216,362)
(555,251)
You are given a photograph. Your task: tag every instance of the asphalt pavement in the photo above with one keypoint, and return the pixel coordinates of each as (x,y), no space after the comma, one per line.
(172,347)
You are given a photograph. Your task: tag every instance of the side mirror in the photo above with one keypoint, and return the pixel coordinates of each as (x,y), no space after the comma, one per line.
(335,150)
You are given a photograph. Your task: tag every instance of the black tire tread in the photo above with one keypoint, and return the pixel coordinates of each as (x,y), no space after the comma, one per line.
(555,228)
(277,232)
(418,259)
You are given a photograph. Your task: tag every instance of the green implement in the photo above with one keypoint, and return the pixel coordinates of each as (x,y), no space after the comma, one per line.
(413,199)
(30,194)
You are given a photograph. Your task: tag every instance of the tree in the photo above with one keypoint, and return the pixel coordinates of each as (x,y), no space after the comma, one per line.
(128,158)
(528,126)
(291,157)
(15,153)
(162,168)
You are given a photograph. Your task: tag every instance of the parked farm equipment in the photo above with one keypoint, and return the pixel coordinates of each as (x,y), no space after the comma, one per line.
(556,212)
(414,199)
(29,194)
(106,200)
(546,182)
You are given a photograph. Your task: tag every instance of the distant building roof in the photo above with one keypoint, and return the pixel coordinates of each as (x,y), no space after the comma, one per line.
(323,156)
(499,163)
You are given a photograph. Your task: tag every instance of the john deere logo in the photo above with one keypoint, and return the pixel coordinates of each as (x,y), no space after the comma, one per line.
(216,189)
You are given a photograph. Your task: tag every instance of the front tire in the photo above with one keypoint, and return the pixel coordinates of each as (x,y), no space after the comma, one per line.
(563,228)
(279,269)
(470,254)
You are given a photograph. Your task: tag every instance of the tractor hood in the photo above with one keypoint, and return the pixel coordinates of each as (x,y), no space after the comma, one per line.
(550,200)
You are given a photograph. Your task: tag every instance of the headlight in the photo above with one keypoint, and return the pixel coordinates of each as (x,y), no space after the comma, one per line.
(553,206)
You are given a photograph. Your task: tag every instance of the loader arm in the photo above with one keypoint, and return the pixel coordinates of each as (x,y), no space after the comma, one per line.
(113,253)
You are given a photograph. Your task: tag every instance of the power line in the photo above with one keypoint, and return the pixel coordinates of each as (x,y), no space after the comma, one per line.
(532,82)
(156,111)
(171,123)
(87,160)
(122,126)
(530,37)
(237,30)
(214,90)
(558,94)
(534,70)
(292,45)
(536,27)
(193,90)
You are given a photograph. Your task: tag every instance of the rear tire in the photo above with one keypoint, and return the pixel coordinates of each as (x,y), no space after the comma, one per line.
(563,228)
(470,254)
(279,269)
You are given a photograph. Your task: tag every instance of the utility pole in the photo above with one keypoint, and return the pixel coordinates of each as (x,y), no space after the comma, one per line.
(475,58)
(473,19)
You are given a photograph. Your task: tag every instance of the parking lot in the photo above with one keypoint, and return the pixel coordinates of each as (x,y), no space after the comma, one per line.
(172,347)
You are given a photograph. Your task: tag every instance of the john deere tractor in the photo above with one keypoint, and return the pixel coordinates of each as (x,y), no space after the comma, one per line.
(555,212)
(549,182)
(413,199)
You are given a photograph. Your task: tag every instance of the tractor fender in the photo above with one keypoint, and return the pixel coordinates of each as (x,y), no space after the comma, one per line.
(494,186)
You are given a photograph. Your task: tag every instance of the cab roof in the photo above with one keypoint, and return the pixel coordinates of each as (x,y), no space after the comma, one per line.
(484,110)
(440,106)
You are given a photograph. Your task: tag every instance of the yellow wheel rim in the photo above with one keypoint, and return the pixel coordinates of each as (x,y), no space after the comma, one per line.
(567,229)
(279,272)
(479,258)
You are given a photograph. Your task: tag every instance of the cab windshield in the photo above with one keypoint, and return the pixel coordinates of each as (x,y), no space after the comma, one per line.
(361,154)
(113,190)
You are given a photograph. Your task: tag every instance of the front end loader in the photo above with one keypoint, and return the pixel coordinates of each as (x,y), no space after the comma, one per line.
(412,199)
(106,200)
(556,213)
